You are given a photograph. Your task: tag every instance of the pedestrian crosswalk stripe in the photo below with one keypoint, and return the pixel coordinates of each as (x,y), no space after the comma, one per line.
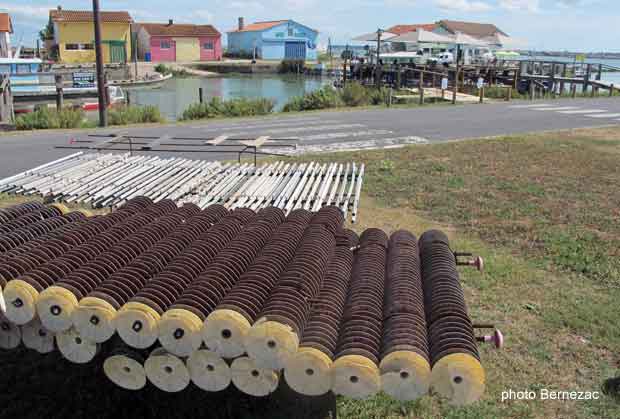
(560,108)
(583,111)
(538,105)
(605,115)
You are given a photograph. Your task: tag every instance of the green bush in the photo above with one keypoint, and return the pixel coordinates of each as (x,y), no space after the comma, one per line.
(165,70)
(354,94)
(45,118)
(217,107)
(134,115)
(324,98)
(292,66)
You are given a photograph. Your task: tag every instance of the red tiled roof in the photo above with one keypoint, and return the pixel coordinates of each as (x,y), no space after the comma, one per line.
(477,30)
(402,29)
(86,16)
(260,26)
(163,29)
(5,23)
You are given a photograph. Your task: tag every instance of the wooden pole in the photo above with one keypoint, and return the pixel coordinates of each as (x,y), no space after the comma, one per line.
(378,69)
(421,88)
(509,93)
(611,90)
(481,94)
(552,81)
(586,78)
(456,76)
(101,87)
(200,95)
(562,82)
(59,92)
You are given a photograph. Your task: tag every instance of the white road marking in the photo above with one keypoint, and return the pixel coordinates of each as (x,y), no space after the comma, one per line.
(334,135)
(382,143)
(605,115)
(583,111)
(538,105)
(324,127)
(561,108)
(263,124)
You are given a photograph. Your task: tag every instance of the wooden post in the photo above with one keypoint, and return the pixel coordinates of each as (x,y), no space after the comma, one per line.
(518,75)
(574,90)
(200,95)
(552,81)
(509,94)
(398,77)
(421,88)
(59,92)
(611,90)
(482,94)
(531,89)
(562,82)
(127,98)
(586,78)
(101,87)
(456,76)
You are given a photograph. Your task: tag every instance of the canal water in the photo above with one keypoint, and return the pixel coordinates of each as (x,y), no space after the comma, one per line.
(176,94)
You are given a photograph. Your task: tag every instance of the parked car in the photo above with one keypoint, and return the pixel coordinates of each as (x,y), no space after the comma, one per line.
(443,58)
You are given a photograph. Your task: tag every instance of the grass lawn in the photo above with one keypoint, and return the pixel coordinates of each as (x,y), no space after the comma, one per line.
(543,211)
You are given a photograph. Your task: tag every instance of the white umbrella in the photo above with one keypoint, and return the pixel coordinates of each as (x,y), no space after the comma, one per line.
(422,36)
(372,37)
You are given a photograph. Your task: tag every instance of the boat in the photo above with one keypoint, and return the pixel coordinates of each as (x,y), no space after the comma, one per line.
(85,99)
(149,80)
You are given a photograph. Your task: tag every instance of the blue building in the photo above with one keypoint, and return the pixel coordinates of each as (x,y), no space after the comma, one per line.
(274,40)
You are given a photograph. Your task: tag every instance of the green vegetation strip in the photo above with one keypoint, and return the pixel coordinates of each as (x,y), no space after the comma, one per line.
(45,118)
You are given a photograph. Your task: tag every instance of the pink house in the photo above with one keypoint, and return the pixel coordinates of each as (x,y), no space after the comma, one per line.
(178,42)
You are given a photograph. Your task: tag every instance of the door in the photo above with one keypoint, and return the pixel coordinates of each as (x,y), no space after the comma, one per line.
(187,49)
(295,51)
(117,52)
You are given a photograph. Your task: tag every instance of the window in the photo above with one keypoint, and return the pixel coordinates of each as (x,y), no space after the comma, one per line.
(23,68)
(280,35)
(208,45)
(72,47)
(290,31)
(164,45)
(87,46)
(5,69)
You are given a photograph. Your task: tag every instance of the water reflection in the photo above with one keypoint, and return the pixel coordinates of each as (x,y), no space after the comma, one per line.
(176,95)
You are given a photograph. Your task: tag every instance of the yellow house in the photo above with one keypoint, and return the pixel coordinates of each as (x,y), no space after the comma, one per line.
(74,35)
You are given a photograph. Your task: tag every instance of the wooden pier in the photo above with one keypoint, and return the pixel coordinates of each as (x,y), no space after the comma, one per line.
(532,78)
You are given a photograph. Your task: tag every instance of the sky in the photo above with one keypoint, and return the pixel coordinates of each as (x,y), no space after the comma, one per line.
(575,25)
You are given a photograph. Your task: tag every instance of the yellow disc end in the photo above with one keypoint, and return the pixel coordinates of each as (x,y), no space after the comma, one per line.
(271,344)
(166,371)
(74,348)
(20,298)
(94,319)
(252,379)
(137,325)
(405,375)
(459,378)
(62,208)
(308,372)
(224,332)
(10,334)
(37,337)
(356,377)
(55,306)
(125,372)
(179,332)
(208,370)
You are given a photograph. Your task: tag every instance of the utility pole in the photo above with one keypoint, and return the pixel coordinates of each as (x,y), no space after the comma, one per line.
(101,87)
(378,71)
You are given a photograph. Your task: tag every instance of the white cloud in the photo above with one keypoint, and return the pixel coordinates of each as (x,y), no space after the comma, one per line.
(467,6)
(27,10)
(525,5)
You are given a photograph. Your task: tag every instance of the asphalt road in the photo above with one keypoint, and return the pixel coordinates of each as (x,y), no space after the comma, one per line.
(325,131)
